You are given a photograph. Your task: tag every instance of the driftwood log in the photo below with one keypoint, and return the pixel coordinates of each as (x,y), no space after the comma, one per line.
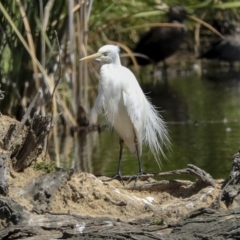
(42,191)
(31,148)
(208,224)
(63,226)
(24,143)
(3,174)
(201,224)
(203,178)
(25,150)
(231,187)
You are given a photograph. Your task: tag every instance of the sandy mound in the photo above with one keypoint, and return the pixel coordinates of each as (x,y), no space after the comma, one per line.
(87,195)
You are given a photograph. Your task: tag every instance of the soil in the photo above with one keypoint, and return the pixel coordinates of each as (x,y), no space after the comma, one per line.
(86,195)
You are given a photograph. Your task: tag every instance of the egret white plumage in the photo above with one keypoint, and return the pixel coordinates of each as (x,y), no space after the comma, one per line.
(126,108)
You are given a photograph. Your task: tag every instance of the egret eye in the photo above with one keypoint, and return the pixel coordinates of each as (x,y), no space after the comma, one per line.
(105,53)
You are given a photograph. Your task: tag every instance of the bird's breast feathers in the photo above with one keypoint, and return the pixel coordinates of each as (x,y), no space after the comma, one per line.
(120,77)
(120,89)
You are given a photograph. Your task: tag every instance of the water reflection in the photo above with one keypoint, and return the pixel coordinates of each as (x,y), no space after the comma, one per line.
(203,117)
(75,152)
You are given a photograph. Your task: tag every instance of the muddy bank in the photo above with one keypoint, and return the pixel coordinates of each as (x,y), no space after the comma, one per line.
(68,205)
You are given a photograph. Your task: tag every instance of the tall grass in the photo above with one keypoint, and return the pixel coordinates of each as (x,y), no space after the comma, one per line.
(31,58)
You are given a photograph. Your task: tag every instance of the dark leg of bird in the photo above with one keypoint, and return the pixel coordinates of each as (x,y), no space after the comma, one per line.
(119,174)
(155,74)
(120,158)
(139,160)
(164,71)
(136,176)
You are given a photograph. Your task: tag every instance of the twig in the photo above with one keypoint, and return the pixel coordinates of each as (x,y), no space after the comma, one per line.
(190,170)
(220,195)
(26,115)
(60,64)
(160,184)
(207,26)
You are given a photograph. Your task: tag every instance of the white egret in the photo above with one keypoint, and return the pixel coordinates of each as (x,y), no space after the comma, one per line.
(126,108)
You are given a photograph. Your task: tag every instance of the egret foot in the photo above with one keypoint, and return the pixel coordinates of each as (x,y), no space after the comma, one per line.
(118,176)
(136,176)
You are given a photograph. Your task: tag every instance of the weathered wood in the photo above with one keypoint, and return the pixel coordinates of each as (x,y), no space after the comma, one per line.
(8,138)
(231,187)
(208,224)
(11,212)
(25,149)
(3,173)
(32,145)
(65,226)
(201,224)
(26,115)
(42,191)
(163,185)
(204,179)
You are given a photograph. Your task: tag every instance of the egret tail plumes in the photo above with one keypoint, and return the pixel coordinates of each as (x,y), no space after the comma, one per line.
(155,132)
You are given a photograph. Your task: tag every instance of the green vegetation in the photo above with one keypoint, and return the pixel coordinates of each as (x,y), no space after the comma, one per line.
(45,166)
(30,51)
(158,221)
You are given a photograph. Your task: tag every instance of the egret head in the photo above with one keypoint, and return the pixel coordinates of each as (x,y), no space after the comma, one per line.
(106,54)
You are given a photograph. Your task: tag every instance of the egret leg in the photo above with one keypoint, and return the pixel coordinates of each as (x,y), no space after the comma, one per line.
(155,74)
(120,158)
(119,174)
(139,159)
(136,176)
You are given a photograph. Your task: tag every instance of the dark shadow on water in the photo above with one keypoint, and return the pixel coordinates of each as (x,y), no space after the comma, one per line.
(75,151)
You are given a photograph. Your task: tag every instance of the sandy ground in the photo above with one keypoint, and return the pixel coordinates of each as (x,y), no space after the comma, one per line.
(86,195)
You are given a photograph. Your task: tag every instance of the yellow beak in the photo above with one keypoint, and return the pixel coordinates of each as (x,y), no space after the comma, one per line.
(96,55)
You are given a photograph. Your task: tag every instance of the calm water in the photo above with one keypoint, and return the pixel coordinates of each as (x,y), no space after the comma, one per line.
(203,116)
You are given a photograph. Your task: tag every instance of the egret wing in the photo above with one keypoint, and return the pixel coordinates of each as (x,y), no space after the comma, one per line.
(148,123)
(133,101)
